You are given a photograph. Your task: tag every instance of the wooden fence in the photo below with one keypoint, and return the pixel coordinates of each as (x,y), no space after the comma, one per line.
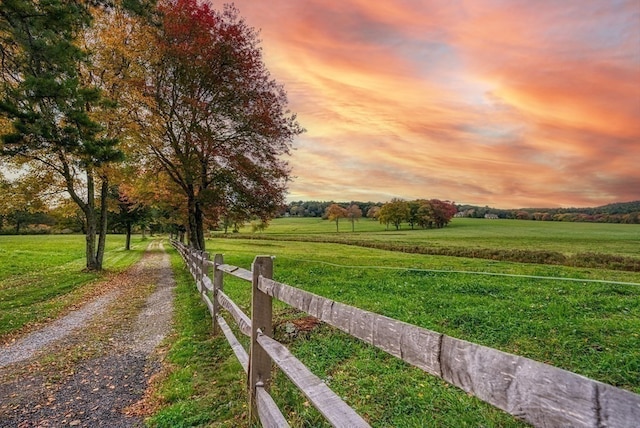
(540,394)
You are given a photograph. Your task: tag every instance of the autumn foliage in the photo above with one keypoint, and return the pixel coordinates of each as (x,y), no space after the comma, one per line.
(223,123)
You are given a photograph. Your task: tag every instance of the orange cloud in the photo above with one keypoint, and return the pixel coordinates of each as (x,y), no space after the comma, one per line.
(509,104)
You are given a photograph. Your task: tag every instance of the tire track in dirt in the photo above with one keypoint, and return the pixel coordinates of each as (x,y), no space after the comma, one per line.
(98,390)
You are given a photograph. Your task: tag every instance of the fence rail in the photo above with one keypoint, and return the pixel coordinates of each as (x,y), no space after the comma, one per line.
(541,394)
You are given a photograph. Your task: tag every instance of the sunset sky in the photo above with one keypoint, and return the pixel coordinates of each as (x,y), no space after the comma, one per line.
(503,103)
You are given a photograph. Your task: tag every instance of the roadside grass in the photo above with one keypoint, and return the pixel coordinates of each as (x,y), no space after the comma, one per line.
(41,276)
(586,327)
(598,245)
(205,384)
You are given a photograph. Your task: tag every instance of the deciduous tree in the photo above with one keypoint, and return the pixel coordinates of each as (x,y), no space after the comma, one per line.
(23,197)
(373,212)
(394,212)
(335,212)
(223,122)
(354,213)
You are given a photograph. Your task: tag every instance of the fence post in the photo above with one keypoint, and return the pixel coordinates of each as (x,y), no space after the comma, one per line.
(198,268)
(190,259)
(205,270)
(261,319)
(218,277)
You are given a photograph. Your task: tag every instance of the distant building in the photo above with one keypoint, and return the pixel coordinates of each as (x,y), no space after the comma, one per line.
(491,216)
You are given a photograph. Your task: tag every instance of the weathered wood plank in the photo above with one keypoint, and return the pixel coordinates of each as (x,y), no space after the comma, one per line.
(549,396)
(387,335)
(208,302)
(204,272)
(341,316)
(218,282)
(336,411)
(538,393)
(415,345)
(488,375)
(236,346)
(243,321)
(207,283)
(421,348)
(268,411)
(236,271)
(618,408)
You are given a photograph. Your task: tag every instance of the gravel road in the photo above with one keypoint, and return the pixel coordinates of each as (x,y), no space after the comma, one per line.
(97,391)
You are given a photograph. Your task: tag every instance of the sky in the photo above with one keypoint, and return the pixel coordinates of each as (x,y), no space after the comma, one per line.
(504,103)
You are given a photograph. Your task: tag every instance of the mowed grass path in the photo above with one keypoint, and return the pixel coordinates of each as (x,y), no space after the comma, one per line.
(41,276)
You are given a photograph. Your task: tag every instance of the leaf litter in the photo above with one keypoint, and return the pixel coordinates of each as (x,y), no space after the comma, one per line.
(92,367)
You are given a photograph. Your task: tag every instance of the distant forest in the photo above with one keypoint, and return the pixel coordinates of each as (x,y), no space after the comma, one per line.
(622,212)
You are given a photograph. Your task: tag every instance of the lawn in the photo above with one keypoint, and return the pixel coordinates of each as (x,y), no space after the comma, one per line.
(41,276)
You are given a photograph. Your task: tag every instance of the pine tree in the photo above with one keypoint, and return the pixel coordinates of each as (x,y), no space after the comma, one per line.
(46,93)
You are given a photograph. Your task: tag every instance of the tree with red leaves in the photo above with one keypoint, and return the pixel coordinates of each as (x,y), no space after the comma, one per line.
(220,123)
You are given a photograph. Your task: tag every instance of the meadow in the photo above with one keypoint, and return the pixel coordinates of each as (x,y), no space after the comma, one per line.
(41,276)
(598,245)
(584,320)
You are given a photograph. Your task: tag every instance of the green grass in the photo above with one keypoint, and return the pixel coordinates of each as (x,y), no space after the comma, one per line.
(41,276)
(206,384)
(586,327)
(573,244)
(589,328)
(564,237)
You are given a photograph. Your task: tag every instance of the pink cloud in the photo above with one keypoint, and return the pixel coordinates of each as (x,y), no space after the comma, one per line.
(509,104)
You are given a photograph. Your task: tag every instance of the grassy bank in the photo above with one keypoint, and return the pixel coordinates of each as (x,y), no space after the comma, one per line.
(203,383)
(41,276)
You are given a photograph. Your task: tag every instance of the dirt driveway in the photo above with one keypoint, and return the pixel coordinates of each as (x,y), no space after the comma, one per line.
(92,367)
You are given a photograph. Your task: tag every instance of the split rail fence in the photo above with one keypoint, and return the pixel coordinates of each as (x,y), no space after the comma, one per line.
(541,394)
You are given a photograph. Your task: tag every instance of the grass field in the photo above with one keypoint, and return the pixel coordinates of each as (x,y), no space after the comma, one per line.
(573,244)
(41,276)
(584,320)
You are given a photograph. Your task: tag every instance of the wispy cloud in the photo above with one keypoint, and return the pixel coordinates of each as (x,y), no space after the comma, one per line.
(508,104)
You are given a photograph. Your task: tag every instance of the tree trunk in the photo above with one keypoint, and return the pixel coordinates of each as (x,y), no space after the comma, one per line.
(89,226)
(104,194)
(192,227)
(128,243)
(337,226)
(90,217)
(199,217)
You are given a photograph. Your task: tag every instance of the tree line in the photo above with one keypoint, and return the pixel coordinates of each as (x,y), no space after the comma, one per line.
(139,105)
(620,212)
(423,213)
